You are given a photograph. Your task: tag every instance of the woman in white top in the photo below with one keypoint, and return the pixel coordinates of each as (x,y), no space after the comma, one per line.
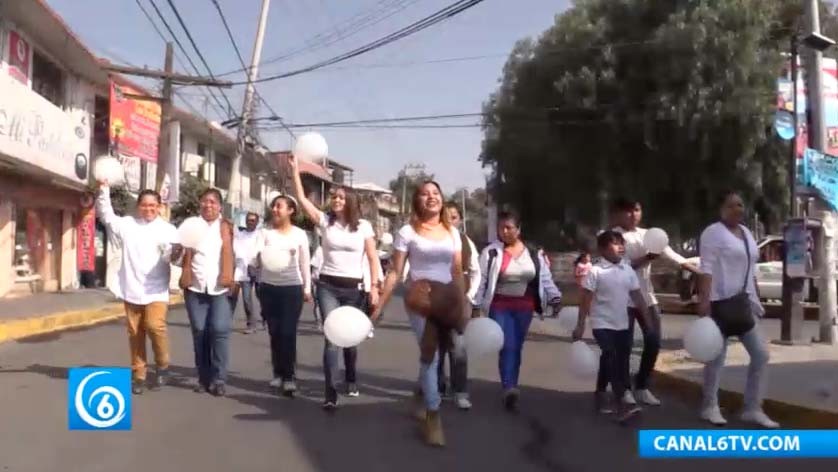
(434,250)
(726,268)
(282,258)
(346,241)
(143,279)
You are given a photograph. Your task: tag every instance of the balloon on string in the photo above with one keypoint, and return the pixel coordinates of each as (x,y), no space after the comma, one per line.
(312,147)
(655,240)
(346,326)
(703,340)
(109,169)
(275,259)
(568,319)
(584,362)
(483,337)
(386,239)
(192,231)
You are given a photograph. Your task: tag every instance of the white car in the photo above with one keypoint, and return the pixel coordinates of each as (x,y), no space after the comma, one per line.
(769,272)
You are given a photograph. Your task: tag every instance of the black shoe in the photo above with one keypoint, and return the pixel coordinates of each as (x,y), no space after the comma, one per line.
(138,387)
(160,380)
(510,400)
(352,390)
(330,405)
(218,390)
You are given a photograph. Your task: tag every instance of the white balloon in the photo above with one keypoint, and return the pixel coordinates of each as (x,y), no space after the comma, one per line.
(655,240)
(386,239)
(346,326)
(275,259)
(483,337)
(109,169)
(584,362)
(568,319)
(703,340)
(192,231)
(311,146)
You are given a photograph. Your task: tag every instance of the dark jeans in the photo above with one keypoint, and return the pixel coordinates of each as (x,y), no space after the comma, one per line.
(459,368)
(614,360)
(209,317)
(515,325)
(330,297)
(282,307)
(246,288)
(651,344)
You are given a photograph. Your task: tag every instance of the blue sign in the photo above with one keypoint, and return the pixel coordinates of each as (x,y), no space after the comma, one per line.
(740,444)
(99,398)
(784,124)
(821,172)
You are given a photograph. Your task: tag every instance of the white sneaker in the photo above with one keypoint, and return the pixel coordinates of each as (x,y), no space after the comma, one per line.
(646,397)
(276,383)
(714,415)
(463,402)
(759,417)
(628,398)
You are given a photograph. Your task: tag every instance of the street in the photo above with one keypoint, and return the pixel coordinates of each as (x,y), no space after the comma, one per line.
(253,429)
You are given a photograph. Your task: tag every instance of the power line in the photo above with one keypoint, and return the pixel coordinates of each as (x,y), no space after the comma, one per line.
(441,15)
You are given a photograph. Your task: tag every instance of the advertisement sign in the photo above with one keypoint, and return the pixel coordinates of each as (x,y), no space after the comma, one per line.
(820,171)
(36,132)
(797,248)
(134,123)
(20,54)
(86,236)
(829,77)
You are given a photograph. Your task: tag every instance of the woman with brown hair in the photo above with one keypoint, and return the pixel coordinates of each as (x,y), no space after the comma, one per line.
(346,241)
(435,292)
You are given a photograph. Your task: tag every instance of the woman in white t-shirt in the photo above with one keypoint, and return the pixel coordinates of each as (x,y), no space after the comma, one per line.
(434,250)
(346,241)
(282,258)
(728,263)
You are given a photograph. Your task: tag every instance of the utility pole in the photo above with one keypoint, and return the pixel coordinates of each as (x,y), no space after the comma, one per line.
(234,196)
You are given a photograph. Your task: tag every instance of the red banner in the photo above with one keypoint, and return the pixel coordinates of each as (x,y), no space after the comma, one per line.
(19,57)
(134,123)
(86,237)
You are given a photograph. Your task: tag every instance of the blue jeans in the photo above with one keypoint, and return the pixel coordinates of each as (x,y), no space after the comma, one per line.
(247,288)
(330,297)
(515,324)
(428,376)
(282,307)
(755,383)
(211,322)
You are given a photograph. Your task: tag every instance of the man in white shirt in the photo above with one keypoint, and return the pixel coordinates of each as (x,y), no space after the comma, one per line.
(627,214)
(244,246)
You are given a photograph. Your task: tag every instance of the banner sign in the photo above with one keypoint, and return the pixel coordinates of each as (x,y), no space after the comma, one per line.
(820,171)
(86,235)
(134,123)
(19,57)
(829,78)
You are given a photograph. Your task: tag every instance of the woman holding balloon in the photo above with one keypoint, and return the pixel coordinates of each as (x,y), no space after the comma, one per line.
(435,298)
(515,283)
(728,294)
(282,258)
(346,241)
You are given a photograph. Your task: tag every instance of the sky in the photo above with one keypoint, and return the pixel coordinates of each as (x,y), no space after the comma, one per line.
(396,80)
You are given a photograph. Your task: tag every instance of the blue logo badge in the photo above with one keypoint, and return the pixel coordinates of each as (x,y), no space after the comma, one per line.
(99,398)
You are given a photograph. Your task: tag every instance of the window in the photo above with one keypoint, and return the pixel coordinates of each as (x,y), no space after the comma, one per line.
(47,79)
(223,169)
(255,186)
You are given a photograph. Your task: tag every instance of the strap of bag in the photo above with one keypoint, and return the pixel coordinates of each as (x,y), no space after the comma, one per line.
(748,259)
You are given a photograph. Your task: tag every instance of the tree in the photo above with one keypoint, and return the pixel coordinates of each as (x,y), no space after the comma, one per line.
(408,182)
(188,204)
(669,102)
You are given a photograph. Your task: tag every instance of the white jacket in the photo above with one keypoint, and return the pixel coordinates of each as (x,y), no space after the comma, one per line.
(548,293)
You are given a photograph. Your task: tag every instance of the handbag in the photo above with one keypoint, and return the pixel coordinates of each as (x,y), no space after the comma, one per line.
(734,315)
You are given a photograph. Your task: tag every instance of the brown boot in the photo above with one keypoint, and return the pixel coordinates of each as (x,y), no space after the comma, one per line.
(433,429)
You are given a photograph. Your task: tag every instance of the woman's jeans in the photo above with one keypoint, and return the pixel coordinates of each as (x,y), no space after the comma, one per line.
(211,322)
(330,297)
(427,371)
(282,307)
(515,324)
(755,385)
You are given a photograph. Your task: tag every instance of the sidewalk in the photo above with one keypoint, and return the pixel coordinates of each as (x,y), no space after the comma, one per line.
(802,384)
(43,313)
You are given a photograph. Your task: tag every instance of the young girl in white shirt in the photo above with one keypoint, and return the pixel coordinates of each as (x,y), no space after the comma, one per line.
(282,257)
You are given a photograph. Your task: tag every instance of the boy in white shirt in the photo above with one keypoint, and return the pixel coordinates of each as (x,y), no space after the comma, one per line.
(607,291)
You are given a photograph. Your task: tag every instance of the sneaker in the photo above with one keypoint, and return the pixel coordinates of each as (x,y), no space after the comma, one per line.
(352,390)
(275,383)
(714,415)
(759,417)
(602,403)
(510,399)
(138,387)
(218,390)
(330,405)
(628,398)
(289,388)
(463,401)
(645,396)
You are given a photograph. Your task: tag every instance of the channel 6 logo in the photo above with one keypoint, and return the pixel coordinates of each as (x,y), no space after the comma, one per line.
(99,398)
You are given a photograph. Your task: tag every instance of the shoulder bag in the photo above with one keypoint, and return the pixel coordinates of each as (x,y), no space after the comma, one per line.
(734,315)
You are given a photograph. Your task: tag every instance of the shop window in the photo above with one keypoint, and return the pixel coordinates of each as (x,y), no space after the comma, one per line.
(223,169)
(47,79)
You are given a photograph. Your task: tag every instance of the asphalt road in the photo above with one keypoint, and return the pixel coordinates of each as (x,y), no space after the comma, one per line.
(254,430)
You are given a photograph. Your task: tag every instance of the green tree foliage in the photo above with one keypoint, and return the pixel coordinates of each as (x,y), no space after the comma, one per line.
(188,203)
(408,183)
(667,101)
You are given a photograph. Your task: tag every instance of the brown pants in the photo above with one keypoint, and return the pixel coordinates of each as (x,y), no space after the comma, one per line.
(149,319)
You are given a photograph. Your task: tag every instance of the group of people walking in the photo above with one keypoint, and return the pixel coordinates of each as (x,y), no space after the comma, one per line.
(446,281)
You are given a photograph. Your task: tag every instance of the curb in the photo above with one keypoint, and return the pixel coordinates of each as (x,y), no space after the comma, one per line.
(57,322)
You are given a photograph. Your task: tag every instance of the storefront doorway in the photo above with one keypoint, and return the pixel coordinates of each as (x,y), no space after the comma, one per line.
(37,258)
